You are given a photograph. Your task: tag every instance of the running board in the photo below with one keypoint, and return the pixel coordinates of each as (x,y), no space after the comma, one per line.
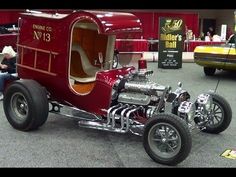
(72,112)
(100,126)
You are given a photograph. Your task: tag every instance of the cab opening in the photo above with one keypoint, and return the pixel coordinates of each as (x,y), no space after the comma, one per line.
(90,53)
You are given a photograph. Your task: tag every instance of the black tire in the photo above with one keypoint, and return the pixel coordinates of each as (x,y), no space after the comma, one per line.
(224,106)
(174,124)
(209,71)
(26,105)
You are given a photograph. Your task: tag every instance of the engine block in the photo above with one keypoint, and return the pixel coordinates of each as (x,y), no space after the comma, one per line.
(143,86)
(134,98)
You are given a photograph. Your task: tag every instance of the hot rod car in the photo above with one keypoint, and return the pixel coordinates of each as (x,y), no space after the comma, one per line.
(214,57)
(64,66)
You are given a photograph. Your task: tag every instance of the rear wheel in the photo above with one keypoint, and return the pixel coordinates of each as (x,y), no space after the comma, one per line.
(209,71)
(25,105)
(167,139)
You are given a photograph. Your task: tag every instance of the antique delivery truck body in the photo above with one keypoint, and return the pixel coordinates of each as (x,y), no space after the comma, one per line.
(64,66)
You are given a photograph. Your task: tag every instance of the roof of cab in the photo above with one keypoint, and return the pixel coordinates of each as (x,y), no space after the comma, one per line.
(108,22)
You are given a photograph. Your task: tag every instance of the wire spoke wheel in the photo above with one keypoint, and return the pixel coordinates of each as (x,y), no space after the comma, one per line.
(217,115)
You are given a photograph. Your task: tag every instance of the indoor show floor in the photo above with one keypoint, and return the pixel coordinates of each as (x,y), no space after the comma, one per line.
(61,143)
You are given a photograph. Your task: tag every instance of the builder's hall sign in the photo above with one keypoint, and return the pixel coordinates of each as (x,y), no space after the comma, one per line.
(170,43)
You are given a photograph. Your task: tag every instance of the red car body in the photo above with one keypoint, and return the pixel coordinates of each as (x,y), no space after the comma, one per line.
(44,50)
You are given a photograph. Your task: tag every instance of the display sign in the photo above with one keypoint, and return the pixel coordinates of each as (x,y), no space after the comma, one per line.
(170,43)
(229,154)
(235,21)
(223,32)
(235,27)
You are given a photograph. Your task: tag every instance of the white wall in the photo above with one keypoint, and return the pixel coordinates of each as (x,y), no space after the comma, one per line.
(225,17)
(222,16)
(207,13)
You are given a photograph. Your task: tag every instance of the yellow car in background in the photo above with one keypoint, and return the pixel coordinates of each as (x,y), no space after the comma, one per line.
(214,57)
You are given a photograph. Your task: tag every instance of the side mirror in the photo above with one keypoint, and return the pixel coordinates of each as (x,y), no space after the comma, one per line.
(100,57)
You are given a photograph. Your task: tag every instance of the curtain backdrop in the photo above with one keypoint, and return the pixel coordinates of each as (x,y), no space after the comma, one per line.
(150,22)
(9,17)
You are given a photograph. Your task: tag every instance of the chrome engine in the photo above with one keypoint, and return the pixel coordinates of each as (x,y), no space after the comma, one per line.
(135,99)
(140,93)
(147,87)
(138,90)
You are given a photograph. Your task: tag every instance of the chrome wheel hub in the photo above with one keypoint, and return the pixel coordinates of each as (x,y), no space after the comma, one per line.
(22,106)
(216,116)
(19,107)
(164,140)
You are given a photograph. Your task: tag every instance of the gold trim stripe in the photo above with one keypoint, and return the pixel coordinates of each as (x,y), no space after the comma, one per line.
(39,70)
(35,59)
(22,54)
(49,64)
(40,50)
(221,50)
(223,57)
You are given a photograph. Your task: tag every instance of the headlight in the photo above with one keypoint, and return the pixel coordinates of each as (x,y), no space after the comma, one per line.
(183,97)
(171,97)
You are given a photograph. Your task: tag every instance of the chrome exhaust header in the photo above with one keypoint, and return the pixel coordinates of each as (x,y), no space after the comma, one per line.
(120,112)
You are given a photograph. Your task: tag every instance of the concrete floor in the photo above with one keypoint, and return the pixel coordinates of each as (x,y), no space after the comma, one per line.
(61,143)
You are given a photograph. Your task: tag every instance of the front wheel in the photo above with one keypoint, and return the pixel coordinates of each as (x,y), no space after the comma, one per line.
(167,139)
(220,117)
